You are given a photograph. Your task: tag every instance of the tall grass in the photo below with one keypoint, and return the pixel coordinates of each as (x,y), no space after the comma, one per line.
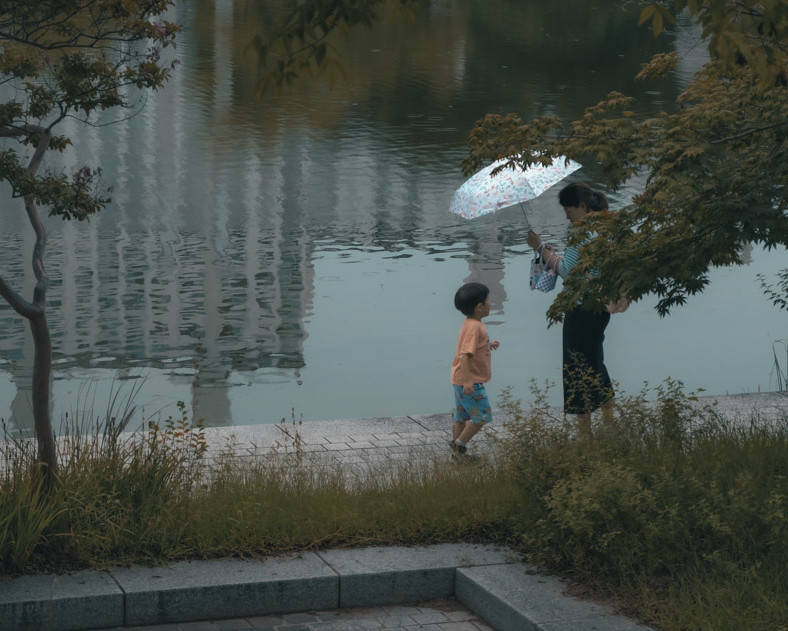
(256,510)
(676,511)
(155,496)
(780,373)
(27,511)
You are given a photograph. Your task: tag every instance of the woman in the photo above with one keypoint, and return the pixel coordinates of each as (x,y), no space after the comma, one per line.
(587,385)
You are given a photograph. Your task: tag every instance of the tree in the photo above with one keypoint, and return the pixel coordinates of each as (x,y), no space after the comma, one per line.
(716,165)
(66,59)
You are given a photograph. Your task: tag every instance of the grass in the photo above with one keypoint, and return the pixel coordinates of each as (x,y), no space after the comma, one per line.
(672,511)
(780,373)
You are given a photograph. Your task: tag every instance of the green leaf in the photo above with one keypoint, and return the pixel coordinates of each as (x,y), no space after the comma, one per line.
(657,24)
(647,13)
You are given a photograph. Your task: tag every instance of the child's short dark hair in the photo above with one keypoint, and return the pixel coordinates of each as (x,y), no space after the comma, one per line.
(470,295)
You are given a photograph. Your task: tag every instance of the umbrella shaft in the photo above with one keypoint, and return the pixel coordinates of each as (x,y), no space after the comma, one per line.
(527,223)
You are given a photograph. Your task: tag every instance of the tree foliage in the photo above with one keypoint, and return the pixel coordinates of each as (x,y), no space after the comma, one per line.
(70,59)
(716,165)
(299,42)
(65,59)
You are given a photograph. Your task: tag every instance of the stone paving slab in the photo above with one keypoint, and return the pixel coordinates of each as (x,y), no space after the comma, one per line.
(53,602)
(377,442)
(208,595)
(446,615)
(226,588)
(424,436)
(396,574)
(517,597)
(767,406)
(343,442)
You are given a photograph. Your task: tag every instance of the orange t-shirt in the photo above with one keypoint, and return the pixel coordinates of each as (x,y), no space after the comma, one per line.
(473,340)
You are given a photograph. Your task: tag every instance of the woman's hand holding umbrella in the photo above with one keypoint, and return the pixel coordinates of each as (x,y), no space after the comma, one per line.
(533,239)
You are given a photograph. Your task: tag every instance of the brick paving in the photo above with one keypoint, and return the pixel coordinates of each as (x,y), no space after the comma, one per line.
(362,444)
(446,615)
(356,445)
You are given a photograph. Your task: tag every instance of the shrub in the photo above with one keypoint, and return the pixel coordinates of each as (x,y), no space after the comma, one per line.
(668,492)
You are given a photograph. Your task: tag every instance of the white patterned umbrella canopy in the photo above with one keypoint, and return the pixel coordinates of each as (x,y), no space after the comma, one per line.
(483,193)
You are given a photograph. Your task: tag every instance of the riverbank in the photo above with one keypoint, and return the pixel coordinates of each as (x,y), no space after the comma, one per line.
(655,508)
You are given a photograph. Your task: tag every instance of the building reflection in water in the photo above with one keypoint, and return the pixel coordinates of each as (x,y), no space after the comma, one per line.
(202,267)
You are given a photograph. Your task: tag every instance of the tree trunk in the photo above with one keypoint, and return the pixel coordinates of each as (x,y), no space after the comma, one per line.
(42,342)
(35,313)
(42,371)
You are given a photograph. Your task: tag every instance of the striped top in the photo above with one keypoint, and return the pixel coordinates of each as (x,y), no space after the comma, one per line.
(572,256)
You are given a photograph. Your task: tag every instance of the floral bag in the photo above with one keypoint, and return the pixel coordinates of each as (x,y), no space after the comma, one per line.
(543,277)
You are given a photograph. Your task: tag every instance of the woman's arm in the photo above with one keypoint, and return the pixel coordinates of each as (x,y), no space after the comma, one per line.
(567,262)
(547,253)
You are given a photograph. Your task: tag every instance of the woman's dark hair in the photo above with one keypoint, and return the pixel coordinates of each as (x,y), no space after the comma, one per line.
(578,193)
(470,295)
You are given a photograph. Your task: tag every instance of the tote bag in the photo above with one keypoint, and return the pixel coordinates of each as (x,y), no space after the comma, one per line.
(543,277)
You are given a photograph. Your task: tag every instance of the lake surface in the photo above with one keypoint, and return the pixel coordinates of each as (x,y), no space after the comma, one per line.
(294,255)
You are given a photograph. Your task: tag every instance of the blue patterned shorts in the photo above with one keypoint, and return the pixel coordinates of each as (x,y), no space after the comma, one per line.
(472,407)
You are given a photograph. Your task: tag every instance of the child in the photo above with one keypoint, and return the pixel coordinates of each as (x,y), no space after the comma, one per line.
(471,366)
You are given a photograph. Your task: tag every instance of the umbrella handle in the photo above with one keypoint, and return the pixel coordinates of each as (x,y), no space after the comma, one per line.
(527,223)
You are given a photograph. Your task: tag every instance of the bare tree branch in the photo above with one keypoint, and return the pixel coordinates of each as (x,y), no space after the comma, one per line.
(18,304)
(746,132)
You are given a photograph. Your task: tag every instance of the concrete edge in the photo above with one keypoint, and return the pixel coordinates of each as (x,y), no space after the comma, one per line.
(488,580)
(225,588)
(396,574)
(516,598)
(490,606)
(92,599)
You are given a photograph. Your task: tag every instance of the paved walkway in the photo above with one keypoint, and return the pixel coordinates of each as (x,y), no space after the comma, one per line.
(363,443)
(357,445)
(446,615)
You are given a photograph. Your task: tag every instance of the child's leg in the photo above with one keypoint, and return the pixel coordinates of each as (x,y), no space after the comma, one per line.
(479,413)
(460,413)
(471,429)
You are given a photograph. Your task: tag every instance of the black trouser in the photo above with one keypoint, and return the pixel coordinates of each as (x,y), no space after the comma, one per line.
(586,382)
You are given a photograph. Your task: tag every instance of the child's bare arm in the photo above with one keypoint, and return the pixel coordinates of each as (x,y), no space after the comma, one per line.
(494,345)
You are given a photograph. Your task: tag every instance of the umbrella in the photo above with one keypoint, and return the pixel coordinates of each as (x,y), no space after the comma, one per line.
(483,193)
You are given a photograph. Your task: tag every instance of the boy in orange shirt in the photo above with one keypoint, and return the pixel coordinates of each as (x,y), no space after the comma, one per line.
(471,367)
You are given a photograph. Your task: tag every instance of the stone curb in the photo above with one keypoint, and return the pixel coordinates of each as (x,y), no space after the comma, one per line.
(489,581)
(514,597)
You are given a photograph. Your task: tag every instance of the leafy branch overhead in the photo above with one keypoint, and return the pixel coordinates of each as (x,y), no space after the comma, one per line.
(299,42)
(716,163)
(72,59)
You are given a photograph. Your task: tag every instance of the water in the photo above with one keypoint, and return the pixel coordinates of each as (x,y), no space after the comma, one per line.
(294,255)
